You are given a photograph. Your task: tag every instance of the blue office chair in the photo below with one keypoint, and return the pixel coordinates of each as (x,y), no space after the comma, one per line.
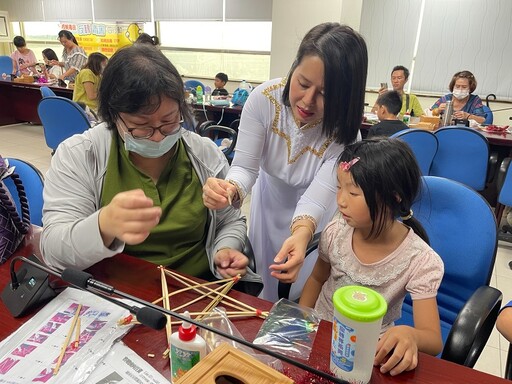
(217,133)
(489,117)
(462,230)
(5,65)
(33,183)
(61,118)
(192,84)
(46,91)
(423,144)
(462,155)
(504,187)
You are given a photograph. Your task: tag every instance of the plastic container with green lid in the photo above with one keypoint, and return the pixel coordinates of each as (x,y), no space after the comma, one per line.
(358,313)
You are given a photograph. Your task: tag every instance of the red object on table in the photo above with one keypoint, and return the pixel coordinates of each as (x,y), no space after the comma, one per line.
(142,279)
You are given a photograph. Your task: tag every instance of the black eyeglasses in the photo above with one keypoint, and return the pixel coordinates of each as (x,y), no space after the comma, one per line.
(165,129)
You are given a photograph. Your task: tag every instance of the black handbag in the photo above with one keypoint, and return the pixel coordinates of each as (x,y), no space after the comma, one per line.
(13,228)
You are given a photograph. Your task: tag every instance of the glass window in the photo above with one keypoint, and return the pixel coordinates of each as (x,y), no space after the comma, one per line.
(202,49)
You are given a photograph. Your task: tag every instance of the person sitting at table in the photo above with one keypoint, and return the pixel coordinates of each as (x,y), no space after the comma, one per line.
(23,59)
(73,56)
(51,71)
(410,102)
(220,82)
(133,183)
(388,107)
(88,80)
(375,241)
(466,106)
(145,38)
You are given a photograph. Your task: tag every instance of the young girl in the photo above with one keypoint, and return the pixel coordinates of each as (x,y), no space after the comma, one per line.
(51,71)
(88,80)
(367,245)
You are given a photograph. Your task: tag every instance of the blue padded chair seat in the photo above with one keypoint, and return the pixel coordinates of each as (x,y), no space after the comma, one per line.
(33,183)
(462,155)
(61,118)
(462,230)
(424,145)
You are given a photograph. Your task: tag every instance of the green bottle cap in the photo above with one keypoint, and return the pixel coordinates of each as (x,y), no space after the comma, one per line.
(359,303)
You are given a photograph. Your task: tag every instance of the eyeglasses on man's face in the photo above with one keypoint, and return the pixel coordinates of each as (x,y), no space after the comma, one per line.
(166,129)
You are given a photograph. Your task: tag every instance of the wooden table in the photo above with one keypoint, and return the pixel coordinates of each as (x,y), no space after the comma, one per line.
(142,279)
(18,101)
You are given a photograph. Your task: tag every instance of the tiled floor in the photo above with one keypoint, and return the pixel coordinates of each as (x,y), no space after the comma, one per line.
(27,142)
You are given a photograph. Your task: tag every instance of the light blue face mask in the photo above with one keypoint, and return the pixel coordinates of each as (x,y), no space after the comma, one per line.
(148,148)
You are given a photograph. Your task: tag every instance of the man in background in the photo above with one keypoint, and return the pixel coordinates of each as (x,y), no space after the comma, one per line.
(410,102)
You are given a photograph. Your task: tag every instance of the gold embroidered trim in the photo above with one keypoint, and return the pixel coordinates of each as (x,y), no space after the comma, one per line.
(319,153)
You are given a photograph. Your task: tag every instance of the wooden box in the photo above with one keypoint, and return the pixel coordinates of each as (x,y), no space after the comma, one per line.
(226,361)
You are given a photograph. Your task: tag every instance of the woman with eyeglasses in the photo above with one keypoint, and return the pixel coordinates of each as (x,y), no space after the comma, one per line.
(466,106)
(133,183)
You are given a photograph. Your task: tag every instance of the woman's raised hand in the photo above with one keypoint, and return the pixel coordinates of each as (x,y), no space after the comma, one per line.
(129,217)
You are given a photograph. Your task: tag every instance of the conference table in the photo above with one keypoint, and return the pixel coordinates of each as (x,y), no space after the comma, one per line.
(142,279)
(18,101)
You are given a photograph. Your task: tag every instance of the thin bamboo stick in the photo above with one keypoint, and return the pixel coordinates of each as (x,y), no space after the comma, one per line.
(66,341)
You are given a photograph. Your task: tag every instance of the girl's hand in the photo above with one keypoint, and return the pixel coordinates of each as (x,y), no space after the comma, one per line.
(293,249)
(441,107)
(397,350)
(217,193)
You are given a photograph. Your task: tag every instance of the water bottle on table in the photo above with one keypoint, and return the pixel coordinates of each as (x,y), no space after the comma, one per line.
(358,313)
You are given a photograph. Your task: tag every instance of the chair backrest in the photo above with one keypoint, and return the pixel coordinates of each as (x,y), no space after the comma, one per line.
(46,91)
(32,180)
(5,65)
(423,144)
(61,118)
(462,230)
(462,155)
(218,133)
(489,117)
(192,84)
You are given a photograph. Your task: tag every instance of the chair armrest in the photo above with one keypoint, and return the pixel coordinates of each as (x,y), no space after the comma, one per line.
(204,125)
(491,166)
(283,289)
(502,173)
(472,327)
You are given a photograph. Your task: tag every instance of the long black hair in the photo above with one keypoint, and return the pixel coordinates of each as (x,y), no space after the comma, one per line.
(390,178)
(68,35)
(135,80)
(345,57)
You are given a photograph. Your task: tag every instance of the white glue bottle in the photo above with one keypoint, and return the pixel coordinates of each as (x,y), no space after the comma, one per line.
(187,348)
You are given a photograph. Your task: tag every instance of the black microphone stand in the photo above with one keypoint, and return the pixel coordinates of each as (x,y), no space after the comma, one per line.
(83,280)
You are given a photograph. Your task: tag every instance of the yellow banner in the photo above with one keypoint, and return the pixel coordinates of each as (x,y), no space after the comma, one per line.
(104,38)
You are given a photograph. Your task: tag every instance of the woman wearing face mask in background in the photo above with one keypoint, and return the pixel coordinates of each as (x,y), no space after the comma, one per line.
(133,183)
(465,105)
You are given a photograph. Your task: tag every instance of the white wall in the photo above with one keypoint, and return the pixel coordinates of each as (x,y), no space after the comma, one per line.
(292,19)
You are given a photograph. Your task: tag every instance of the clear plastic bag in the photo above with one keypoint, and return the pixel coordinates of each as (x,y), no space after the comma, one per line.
(219,320)
(289,329)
